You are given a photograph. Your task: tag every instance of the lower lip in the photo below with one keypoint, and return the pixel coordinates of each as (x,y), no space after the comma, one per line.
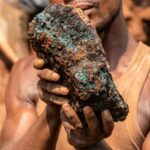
(89,11)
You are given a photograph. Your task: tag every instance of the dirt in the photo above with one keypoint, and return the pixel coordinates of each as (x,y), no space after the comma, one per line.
(71,46)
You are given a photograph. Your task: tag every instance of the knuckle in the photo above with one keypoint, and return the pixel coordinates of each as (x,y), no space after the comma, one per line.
(44,71)
(41,72)
(40,83)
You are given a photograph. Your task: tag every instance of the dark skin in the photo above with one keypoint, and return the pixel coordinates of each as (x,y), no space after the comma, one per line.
(22,113)
(21,110)
(22,102)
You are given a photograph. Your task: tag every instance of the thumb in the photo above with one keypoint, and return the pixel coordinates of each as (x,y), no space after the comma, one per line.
(38,63)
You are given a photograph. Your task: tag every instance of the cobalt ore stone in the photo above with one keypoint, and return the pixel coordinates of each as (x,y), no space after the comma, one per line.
(64,37)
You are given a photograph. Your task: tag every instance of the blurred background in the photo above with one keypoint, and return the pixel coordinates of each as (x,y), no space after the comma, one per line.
(13,27)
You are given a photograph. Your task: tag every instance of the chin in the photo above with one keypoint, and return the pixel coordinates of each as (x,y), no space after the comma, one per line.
(103,24)
(100,24)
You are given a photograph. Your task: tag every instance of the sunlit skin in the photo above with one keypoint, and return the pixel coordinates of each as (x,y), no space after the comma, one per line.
(24,128)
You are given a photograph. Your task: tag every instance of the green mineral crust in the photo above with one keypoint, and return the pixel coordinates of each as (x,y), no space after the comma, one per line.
(65,38)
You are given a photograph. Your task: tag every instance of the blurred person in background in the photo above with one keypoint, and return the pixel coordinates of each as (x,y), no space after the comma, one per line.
(30,7)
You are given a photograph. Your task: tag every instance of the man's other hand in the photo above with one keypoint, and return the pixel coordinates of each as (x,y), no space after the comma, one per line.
(82,137)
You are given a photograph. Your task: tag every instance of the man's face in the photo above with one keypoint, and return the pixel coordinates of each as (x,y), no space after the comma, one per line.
(101,12)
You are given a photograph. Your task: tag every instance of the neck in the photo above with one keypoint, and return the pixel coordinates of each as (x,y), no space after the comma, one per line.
(119,45)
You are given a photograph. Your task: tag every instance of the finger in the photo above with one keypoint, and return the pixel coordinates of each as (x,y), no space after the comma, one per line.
(50,98)
(49,75)
(38,63)
(73,135)
(53,88)
(92,121)
(65,122)
(108,123)
(53,111)
(71,116)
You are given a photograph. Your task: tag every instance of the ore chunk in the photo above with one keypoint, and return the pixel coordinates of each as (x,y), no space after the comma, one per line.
(65,38)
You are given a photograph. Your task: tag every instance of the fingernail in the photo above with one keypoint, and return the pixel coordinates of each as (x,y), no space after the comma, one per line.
(55,76)
(87,109)
(65,107)
(64,90)
(78,126)
(40,61)
(107,112)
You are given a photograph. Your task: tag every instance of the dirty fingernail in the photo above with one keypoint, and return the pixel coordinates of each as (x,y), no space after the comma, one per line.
(65,107)
(55,76)
(64,90)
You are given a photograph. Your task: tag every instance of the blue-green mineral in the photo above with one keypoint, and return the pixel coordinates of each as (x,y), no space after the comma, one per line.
(66,39)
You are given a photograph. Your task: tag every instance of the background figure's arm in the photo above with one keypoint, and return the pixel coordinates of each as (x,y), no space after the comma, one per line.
(20,111)
(22,126)
(30,6)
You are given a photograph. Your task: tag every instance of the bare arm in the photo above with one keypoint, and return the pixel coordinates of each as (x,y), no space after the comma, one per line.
(22,126)
(42,134)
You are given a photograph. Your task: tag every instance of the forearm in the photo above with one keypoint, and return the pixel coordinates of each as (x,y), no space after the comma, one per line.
(42,134)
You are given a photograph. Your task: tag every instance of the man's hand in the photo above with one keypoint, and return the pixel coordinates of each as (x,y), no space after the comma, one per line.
(49,90)
(80,136)
(52,93)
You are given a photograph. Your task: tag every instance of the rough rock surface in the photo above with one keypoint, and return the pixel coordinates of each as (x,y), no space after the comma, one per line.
(66,39)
